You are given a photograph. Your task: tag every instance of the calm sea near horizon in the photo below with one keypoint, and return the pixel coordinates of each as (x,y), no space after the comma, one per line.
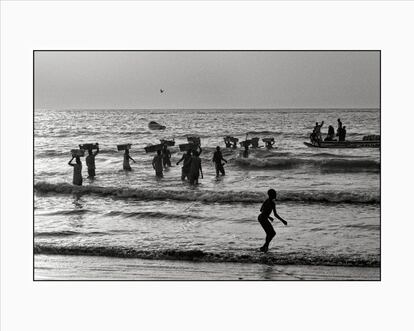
(150,228)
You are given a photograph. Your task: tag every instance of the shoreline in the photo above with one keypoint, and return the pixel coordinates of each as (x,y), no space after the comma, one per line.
(73,268)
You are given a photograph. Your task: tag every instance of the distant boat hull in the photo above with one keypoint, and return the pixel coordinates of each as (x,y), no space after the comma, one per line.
(156,126)
(346,144)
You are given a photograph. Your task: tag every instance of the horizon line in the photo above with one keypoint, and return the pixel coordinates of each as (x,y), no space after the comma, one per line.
(234,108)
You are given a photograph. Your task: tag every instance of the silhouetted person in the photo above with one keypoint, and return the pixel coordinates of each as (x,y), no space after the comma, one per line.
(166,156)
(316,136)
(331,134)
(338,131)
(217,158)
(185,170)
(157,164)
(127,167)
(77,170)
(195,168)
(267,207)
(342,134)
(90,162)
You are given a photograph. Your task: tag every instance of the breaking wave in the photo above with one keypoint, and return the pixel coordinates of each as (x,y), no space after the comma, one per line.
(333,165)
(217,257)
(154,214)
(309,196)
(66,233)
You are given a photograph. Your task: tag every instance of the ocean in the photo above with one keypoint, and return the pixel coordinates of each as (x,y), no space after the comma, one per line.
(132,225)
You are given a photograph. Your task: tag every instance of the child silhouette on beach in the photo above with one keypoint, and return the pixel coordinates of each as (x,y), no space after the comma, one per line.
(267,207)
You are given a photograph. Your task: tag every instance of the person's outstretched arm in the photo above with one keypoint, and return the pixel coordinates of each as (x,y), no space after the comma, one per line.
(97,150)
(70,162)
(278,217)
(131,158)
(182,158)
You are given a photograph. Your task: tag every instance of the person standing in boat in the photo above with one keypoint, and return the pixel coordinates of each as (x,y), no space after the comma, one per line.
(77,170)
(316,135)
(126,165)
(342,134)
(338,131)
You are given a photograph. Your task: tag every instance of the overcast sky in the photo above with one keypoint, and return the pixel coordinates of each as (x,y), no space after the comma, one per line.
(68,80)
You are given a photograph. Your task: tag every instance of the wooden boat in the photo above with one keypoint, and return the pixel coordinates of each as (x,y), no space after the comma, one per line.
(155,126)
(346,144)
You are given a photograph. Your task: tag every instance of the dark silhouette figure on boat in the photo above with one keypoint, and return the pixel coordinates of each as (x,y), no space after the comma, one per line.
(338,131)
(77,170)
(267,207)
(342,133)
(217,158)
(316,136)
(331,134)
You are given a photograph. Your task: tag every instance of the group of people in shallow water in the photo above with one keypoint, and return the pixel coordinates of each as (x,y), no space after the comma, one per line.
(316,135)
(77,166)
(191,168)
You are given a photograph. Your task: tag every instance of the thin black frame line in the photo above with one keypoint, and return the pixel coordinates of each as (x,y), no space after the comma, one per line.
(380,187)
(203,280)
(206,50)
(33,164)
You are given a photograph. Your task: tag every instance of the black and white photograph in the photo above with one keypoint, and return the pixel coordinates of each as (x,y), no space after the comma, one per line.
(207,165)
